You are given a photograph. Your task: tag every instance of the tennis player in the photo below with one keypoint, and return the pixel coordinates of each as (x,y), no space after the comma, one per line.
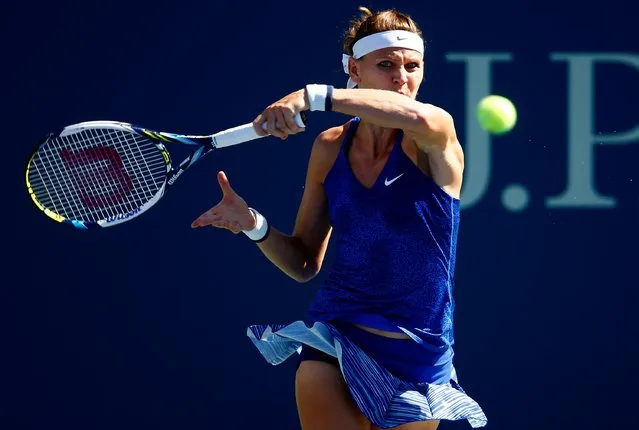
(377,349)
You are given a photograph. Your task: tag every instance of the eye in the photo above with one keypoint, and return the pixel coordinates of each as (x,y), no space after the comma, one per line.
(412,65)
(385,64)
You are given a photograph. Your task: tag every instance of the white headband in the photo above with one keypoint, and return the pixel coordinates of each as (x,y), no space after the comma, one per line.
(384,39)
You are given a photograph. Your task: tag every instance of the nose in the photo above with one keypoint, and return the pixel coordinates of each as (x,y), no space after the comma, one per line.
(400,76)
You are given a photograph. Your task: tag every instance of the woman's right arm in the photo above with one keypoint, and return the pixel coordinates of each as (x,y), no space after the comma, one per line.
(300,255)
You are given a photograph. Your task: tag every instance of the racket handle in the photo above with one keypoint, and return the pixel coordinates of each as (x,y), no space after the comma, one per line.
(246,132)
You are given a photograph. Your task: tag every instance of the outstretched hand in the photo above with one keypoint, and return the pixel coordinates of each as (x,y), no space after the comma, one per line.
(231,213)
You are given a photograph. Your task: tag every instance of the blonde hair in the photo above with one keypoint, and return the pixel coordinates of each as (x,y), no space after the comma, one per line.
(369,23)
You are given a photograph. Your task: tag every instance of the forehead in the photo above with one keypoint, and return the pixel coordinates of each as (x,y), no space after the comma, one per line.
(397,53)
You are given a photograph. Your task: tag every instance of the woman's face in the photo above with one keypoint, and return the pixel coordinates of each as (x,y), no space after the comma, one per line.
(395,69)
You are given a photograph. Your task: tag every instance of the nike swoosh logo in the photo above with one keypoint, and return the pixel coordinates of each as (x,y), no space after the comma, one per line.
(401,38)
(387,182)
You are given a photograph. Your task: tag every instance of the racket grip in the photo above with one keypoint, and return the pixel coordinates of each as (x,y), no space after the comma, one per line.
(246,132)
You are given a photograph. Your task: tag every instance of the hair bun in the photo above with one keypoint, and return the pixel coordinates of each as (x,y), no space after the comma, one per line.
(365,12)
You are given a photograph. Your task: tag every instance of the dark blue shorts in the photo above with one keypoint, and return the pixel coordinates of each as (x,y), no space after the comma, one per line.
(404,358)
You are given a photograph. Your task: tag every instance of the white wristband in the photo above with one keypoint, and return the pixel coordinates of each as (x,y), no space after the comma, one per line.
(316,96)
(261,229)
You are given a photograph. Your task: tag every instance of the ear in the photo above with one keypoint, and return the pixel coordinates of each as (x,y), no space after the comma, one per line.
(353,70)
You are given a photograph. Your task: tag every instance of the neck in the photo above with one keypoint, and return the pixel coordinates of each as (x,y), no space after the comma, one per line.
(375,140)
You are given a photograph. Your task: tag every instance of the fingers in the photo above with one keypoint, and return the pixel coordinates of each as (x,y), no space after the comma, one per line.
(283,123)
(292,124)
(258,125)
(225,185)
(277,120)
(273,124)
(210,218)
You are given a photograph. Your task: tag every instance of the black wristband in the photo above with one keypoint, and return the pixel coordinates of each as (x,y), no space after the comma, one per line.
(329,99)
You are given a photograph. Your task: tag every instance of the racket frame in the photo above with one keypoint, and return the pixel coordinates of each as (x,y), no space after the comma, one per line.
(204,144)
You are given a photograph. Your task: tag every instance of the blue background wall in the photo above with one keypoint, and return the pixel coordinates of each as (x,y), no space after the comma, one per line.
(143,325)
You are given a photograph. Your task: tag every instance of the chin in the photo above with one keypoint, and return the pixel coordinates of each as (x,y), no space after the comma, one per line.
(412,96)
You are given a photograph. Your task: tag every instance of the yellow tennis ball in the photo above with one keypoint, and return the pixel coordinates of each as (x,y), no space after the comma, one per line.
(496,114)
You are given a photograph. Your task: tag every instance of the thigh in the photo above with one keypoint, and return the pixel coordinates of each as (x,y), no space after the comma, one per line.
(323,399)
(421,425)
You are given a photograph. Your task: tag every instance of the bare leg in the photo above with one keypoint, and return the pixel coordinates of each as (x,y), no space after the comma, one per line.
(323,399)
(421,425)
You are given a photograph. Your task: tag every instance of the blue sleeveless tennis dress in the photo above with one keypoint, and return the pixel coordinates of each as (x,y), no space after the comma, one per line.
(393,270)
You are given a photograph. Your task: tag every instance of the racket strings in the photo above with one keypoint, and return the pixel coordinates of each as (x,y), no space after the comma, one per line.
(97,174)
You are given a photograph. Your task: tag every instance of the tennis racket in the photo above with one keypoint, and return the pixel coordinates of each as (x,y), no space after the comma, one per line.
(104,173)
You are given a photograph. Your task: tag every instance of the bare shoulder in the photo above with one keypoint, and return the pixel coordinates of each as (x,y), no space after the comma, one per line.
(441,136)
(440,121)
(445,125)
(330,140)
(444,153)
(325,150)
